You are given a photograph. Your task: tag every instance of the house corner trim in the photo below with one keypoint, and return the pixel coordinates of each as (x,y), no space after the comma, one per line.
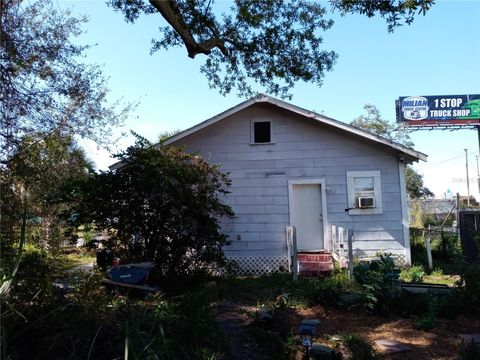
(405,213)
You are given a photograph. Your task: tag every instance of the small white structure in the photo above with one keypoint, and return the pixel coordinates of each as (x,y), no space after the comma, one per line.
(293,167)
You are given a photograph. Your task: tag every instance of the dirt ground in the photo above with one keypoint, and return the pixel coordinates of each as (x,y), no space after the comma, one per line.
(440,343)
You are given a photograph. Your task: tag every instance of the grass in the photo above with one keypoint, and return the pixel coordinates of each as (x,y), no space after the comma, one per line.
(89,320)
(69,261)
(439,278)
(279,290)
(417,273)
(156,326)
(265,290)
(446,255)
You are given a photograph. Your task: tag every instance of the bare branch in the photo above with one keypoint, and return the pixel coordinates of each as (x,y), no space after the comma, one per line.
(170,11)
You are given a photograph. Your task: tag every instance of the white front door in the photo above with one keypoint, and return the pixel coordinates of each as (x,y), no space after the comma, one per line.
(306,215)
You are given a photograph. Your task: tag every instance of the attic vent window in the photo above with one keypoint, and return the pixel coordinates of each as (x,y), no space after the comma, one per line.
(262,132)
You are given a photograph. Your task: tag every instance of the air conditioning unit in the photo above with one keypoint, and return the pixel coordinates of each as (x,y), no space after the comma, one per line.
(366,202)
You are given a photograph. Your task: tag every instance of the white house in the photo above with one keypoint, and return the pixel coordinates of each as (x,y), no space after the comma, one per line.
(292,167)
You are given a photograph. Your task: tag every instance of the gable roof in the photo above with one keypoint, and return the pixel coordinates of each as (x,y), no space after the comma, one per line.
(409,154)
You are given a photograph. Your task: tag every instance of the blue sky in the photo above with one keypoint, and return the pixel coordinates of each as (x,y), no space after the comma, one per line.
(439,54)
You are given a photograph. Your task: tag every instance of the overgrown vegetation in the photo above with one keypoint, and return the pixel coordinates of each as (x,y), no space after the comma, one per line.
(51,311)
(161,205)
(279,290)
(89,321)
(83,321)
(413,273)
(445,247)
(380,281)
(360,348)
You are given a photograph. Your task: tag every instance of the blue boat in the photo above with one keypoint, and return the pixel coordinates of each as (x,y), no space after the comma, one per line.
(130,273)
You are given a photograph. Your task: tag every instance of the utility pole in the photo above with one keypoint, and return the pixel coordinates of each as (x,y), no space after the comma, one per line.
(478,175)
(468,182)
(457,203)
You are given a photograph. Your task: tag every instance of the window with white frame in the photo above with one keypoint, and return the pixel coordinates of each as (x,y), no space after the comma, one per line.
(364,192)
(261,132)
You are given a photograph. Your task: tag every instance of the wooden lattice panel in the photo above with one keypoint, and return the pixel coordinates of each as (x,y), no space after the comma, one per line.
(260,265)
(400,259)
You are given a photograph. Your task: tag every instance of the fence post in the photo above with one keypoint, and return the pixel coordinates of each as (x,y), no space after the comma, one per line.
(341,244)
(289,234)
(294,254)
(457,204)
(333,237)
(350,254)
(429,250)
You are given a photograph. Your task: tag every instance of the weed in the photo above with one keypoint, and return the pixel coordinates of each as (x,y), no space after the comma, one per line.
(91,323)
(327,291)
(379,280)
(274,290)
(413,273)
(360,348)
(270,342)
(282,301)
(428,321)
(437,272)
(469,287)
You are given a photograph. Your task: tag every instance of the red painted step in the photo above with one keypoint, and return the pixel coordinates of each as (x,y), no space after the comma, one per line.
(314,264)
(321,266)
(314,257)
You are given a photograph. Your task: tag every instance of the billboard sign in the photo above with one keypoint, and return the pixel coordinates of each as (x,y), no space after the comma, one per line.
(442,110)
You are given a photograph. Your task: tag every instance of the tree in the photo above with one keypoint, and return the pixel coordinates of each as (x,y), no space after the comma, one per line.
(41,164)
(162,203)
(376,124)
(44,86)
(164,135)
(415,187)
(273,42)
(373,122)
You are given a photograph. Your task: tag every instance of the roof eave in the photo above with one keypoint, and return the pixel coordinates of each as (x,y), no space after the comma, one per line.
(352,129)
(210,121)
(410,154)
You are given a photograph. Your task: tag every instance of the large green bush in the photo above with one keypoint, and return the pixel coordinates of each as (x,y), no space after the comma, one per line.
(161,205)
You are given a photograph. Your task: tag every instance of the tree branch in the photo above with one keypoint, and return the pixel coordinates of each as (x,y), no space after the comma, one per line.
(170,12)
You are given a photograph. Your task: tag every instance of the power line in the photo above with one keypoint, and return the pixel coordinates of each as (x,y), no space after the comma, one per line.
(442,162)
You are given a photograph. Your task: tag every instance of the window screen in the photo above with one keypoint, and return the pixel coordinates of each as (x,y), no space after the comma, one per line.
(362,184)
(261,132)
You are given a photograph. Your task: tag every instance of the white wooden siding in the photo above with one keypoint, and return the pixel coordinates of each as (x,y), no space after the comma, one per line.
(303,149)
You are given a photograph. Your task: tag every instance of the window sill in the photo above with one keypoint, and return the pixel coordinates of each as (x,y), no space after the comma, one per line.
(373,211)
(263,143)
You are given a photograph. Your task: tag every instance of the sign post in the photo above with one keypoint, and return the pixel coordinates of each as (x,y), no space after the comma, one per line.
(468,182)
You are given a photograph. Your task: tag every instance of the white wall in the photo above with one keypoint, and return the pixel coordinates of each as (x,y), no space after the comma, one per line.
(303,148)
